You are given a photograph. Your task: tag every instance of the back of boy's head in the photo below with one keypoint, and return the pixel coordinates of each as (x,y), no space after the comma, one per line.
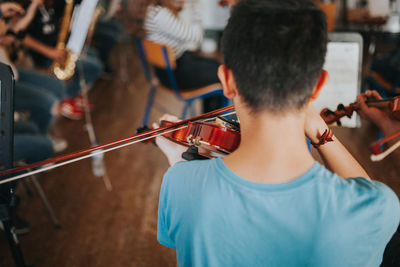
(276,50)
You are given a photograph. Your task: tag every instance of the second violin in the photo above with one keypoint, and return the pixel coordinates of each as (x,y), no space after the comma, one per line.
(392,104)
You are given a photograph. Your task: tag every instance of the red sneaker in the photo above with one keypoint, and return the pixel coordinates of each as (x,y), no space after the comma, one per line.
(70,110)
(79,102)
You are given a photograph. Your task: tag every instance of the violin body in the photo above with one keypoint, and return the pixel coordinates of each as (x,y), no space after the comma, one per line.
(210,138)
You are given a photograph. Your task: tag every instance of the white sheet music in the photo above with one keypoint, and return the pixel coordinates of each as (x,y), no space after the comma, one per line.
(342,64)
(379,8)
(80,26)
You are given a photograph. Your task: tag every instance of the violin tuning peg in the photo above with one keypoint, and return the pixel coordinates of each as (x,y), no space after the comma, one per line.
(341,107)
(339,123)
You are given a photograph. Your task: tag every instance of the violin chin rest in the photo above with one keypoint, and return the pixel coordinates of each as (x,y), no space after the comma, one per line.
(192,153)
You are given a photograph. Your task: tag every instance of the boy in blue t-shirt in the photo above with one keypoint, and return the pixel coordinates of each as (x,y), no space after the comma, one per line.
(269,203)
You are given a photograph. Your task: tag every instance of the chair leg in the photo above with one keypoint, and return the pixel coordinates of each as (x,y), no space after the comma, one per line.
(27,189)
(45,201)
(185,109)
(192,110)
(149,104)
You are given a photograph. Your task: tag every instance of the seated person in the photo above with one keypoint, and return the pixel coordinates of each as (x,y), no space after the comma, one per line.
(41,39)
(159,22)
(35,93)
(385,74)
(269,203)
(29,144)
(379,117)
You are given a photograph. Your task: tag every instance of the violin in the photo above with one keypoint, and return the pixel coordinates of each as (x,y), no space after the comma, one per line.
(213,139)
(191,132)
(392,104)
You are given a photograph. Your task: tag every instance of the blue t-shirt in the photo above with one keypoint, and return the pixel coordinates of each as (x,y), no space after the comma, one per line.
(212,217)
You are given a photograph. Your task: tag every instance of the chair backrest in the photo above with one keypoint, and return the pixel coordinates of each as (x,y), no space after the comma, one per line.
(330,10)
(159,54)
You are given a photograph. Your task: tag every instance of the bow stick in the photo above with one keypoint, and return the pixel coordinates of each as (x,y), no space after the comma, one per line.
(90,152)
(377,154)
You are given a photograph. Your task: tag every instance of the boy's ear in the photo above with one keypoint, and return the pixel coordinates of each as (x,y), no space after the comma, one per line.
(323,79)
(225,75)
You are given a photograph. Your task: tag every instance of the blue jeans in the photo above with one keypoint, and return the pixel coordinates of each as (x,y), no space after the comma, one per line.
(47,83)
(39,104)
(29,145)
(92,69)
(105,37)
(37,94)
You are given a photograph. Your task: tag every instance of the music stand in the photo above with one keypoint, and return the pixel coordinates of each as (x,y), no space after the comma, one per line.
(7,198)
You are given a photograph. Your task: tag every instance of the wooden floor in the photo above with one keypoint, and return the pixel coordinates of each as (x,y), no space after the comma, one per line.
(118,228)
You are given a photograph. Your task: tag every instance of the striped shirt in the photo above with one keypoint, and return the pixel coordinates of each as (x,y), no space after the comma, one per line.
(162,26)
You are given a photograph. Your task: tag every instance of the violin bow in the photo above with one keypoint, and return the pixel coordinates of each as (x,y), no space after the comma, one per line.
(379,155)
(59,161)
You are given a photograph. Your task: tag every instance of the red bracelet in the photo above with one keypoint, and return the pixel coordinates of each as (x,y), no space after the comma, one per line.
(324,138)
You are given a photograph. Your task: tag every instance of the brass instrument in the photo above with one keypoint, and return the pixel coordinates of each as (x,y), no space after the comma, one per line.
(65,70)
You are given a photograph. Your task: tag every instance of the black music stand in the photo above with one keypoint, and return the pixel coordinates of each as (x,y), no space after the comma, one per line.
(7,198)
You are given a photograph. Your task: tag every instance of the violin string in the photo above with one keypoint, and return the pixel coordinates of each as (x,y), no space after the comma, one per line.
(93,153)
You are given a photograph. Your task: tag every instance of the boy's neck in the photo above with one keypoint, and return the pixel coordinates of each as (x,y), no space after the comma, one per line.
(273,148)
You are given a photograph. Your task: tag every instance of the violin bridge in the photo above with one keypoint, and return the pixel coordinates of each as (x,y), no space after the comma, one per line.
(196,141)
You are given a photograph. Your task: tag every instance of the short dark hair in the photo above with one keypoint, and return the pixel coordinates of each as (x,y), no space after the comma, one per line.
(276,50)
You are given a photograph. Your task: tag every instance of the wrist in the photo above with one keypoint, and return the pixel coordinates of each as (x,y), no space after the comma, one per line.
(325,137)
(48,52)
(315,132)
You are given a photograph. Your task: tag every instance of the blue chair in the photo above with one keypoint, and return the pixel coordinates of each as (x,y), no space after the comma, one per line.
(162,56)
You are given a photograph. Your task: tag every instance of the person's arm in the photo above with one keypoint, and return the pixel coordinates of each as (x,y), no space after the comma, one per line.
(24,22)
(335,156)
(9,9)
(48,51)
(379,117)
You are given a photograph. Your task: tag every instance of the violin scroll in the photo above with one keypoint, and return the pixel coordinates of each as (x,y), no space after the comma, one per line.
(330,116)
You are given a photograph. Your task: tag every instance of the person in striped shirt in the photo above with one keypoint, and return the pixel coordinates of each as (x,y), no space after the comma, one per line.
(158,21)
